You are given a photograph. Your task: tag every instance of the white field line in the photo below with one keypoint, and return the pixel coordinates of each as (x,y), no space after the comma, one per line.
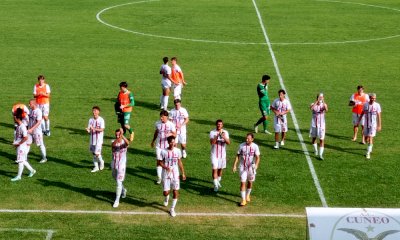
(296,125)
(49,232)
(279,215)
(98,17)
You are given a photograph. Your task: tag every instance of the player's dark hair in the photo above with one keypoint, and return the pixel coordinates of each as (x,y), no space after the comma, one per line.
(265,78)
(218,121)
(40,77)
(177,101)
(250,134)
(164,113)
(18,113)
(170,138)
(165,60)
(359,87)
(174,58)
(96,107)
(281,91)
(123,84)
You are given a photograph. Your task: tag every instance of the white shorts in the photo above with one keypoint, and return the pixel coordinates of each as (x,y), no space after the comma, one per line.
(280,127)
(355,119)
(170,180)
(369,132)
(95,149)
(247,175)
(180,138)
(177,90)
(317,133)
(158,153)
(119,173)
(37,139)
(45,108)
(166,84)
(22,153)
(218,163)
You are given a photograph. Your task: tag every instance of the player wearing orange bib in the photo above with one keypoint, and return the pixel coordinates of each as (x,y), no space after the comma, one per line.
(25,113)
(41,92)
(357,101)
(177,78)
(123,108)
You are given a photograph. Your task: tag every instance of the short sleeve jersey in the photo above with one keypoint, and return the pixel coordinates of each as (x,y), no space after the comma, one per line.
(178,118)
(370,114)
(34,117)
(262,91)
(281,106)
(318,116)
(96,138)
(218,150)
(165,70)
(247,154)
(163,129)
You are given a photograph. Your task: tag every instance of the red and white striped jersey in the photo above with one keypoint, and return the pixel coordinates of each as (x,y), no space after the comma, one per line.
(247,154)
(318,116)
(164,130)
(178,118)
(218,150)
(370,114)
(119,155)
(96,138)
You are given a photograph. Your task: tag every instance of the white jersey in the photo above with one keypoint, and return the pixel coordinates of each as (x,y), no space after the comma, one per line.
(20,133)
(25,120)
(281,106)
(96,138)
(318,116)
(165,70)
(370,114)
(164,130)
(178,118)
(170,159)
(119,155)
(247,154)
(218,150)
(34,117)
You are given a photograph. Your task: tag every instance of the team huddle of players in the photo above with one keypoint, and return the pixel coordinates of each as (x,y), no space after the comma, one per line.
(170,131)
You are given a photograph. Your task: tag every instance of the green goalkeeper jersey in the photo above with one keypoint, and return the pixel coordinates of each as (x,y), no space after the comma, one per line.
(262,91)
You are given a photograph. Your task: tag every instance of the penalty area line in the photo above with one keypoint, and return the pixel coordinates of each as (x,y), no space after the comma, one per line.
(194,214)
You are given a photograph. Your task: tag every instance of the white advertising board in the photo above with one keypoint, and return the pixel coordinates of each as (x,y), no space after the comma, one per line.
(353,223)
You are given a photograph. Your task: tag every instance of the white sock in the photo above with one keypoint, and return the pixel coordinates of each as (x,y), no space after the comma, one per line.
(20,169)
(315,148)
(369,148)
(95,162)
(28,166)
(166,199)
(277,144)
(43,125)
(159,171)
(174,201)
(219,179)
(248,191)
(118,193)
(165,100)
(47,124)
(215,182)
(321,151)
(101,161)
(162,100)
(243,194)
(43,151)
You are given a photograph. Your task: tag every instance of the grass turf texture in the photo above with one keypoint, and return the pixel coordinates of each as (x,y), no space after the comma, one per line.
(84,61)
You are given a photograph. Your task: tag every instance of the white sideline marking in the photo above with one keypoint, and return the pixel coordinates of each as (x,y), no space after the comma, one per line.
(246,43)
(49,232)
(294,119)
(156,213)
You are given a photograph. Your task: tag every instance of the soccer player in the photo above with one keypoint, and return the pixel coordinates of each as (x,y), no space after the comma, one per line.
(219,138)
(372,123)
(35,128)
(249,155)
(21,144)
(95,128)
(177,78)
(118,165)
(41,92)
(318,109)
(263,103)
(25,113)
(164,129)
(180,117)
(280,107)
(166,83)
(170,161)
(125,103)
(357,101)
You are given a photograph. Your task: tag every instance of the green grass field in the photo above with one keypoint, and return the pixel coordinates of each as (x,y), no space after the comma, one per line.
(328,46)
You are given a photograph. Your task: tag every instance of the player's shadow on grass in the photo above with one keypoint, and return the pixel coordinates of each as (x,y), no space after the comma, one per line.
(77,131)
(34,157)
(143,173)
(7,125)
(8,174)
(9,156)
(204,188)
(135,151)
(5,141)
(227,125)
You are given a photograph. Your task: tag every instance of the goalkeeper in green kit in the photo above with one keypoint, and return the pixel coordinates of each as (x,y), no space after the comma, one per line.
(263,103)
